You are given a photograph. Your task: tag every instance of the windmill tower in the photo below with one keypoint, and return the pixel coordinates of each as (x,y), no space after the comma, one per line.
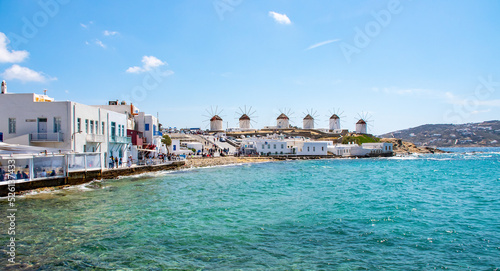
(335,119)
(361,127)
(244,121)
(334,122)
(282,122)
(215,119)
(245,118)
(362,124)
(308,121)
(216,123)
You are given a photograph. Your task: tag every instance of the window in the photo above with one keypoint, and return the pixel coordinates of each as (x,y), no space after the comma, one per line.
(307,148)
(282,146)
(12,125)
(79,125)
(322,148)
(91,126)
(314,148)
(123,130)
(146,127)
(87,126)
(102,130)
(274,146)
(269,146)
(57,124)
(263,146)
(113,129)
(96,127)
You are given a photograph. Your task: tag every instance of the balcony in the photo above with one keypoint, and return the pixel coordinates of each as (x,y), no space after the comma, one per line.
(95,138)
(46,137)
(120,139)
(157,133)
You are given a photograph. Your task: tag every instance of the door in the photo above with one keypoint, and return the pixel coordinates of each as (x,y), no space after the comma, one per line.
(42,128)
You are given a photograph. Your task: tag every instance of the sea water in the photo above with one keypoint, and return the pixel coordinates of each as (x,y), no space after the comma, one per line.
(418,212)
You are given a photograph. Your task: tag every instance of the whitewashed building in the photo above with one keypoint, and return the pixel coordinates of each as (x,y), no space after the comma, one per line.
(348,150)
(313,148)
(378,148)
(37,120)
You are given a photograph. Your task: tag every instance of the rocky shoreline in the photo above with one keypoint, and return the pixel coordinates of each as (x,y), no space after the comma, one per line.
(404,147)
(219,161)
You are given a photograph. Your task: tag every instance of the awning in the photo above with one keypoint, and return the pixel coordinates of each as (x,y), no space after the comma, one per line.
(146,150)
(8,149)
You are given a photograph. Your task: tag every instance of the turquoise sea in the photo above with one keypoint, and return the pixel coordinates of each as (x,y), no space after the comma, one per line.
(421,212)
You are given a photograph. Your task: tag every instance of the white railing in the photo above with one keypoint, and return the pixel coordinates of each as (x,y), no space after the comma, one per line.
(46,137)
(95,138)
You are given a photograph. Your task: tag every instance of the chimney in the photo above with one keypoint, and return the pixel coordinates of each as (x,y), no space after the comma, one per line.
(4,87)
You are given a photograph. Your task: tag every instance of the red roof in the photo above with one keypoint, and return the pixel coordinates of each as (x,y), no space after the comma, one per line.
(282,116)
(244,117)
(216,117)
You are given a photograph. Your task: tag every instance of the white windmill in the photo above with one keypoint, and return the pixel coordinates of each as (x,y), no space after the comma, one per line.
(245,119)
(215,119)
(334,119)
(362,124)
(283,121)
(308,121)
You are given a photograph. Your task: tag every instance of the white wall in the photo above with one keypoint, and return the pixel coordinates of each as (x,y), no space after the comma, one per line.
(313,148)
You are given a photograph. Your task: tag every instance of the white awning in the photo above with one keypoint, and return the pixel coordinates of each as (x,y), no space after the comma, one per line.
(7,149)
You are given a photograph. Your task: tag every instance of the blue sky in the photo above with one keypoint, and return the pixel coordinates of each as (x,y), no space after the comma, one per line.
(403,63)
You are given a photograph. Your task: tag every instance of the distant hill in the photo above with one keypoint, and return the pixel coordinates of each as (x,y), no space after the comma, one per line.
(484,134)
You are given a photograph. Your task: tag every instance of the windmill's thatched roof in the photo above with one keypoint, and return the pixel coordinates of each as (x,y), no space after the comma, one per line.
(244,117)
(361,121)
(282,116)
(216,117)
(308,117)
(335,117)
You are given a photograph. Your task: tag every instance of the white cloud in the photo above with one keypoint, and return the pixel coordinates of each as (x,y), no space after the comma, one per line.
(110,33)
(148,63)
(99,43)
(135,69)
(24,74)
(86,25)
(280,18)
(12,56)
(321,44)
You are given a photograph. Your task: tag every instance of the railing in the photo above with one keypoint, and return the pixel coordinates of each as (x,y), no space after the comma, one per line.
(157,133)
(46,137)
(121,139)
(95,138)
